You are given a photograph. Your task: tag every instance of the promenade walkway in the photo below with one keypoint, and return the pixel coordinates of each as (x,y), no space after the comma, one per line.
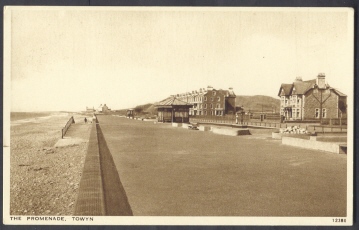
(168,171)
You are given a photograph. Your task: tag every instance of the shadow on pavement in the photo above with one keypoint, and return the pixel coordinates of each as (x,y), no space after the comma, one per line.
(116,202)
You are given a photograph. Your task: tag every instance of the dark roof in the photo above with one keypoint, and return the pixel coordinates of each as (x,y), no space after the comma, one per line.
(226,93)
(171,101)
(301,87)
(338,92)
(287,89)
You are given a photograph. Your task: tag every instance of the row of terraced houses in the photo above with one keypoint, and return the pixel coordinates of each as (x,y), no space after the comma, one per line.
(301,100)
(210,101)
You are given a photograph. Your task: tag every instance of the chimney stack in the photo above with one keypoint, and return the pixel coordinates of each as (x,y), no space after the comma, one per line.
(298,78)
(321,81)
(209,88)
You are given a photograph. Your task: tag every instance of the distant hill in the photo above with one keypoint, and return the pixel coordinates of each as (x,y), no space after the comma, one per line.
(148,108)
(255,103)
(151,109)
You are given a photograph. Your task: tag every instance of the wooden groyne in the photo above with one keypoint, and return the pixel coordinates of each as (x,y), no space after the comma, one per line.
(67,126)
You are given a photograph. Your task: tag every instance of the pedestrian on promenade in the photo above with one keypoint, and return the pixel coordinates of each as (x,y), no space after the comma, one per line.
(85,120)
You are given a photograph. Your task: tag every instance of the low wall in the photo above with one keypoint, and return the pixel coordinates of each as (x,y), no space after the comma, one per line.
(90,200)
(311,144)
(230,132)
(177,124)
(330,138)
(185,125)
(204,128)
(279,136)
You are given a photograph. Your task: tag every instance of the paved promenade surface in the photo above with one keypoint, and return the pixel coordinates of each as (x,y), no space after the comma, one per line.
(174,171)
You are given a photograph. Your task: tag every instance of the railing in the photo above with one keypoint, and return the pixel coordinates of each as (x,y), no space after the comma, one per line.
(228,119)
(334,121)
(267,124)
(329,128)
(67,126)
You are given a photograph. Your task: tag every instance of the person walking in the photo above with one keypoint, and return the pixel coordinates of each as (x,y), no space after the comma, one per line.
(85,120)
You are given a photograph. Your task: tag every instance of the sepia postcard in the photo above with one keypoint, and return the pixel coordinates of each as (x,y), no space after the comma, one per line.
(178,116)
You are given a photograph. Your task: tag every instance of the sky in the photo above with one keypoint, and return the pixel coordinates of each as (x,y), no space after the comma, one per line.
(64,59)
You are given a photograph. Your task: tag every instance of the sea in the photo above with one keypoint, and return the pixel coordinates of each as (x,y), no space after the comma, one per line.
(14,116)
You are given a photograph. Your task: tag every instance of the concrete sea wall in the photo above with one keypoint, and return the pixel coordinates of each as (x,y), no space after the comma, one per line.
(312,144)
(230,132)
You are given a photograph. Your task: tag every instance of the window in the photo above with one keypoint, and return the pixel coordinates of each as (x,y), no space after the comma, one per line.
(316,113)
(214,93)
(212,112)
(205,98)
(324,113)
(205,106)
(298,113)
(218,106)
(211,98)
(205,113)
(218,99)
(211,106)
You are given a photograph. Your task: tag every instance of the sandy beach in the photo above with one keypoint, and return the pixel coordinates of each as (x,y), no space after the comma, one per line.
(45,179)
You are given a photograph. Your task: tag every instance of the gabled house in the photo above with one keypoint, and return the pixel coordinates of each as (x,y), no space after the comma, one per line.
(311,100)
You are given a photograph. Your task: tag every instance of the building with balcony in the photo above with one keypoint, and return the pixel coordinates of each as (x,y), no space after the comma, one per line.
(311,100)
(210,101)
